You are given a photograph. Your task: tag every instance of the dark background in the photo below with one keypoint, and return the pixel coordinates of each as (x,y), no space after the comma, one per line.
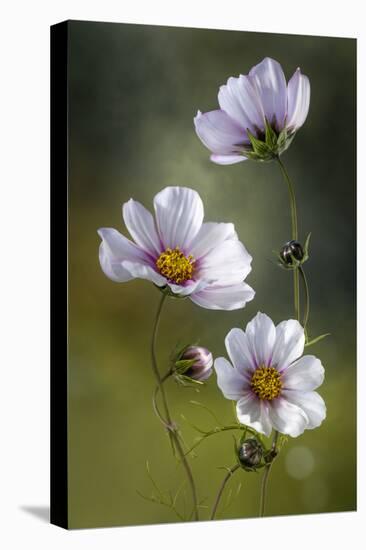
(134,91)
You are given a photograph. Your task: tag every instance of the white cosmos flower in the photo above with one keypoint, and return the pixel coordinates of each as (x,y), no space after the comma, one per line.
(205,261)
(272,384)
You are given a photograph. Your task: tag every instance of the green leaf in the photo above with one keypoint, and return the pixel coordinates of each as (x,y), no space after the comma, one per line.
(316,340)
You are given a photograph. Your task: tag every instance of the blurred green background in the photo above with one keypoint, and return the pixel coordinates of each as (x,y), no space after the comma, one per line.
(133,93)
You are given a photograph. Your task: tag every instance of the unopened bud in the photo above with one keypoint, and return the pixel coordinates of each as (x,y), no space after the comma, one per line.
(250,453)
(290,251)
(199,363)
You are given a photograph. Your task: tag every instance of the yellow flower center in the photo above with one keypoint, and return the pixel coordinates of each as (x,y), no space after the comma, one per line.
(175,266)
(266,382)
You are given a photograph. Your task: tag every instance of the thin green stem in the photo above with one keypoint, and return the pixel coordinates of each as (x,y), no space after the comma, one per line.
(167,421)
(294,234)
(267,471)
(307,297)
(221,489)
(292,199)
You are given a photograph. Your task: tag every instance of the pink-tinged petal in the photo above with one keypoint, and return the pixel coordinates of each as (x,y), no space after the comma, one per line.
(270,83)
(188,288)
(219,133)
(225,298)
(311,403)
(261,337)
(227,159)
(144,271)
(289,346)
(236,343)
(179,216)
(141,227)
(306,374)
(211,235)
(229,263)
(239,99)
(287,418)
(298,100)
(111,268)
(114,249)
(232,384)
(253,412)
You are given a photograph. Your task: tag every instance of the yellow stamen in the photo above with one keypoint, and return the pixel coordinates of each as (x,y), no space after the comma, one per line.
(266,382)
(175,266)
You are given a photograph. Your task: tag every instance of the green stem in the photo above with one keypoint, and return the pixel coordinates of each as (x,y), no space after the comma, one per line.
(221,489)
(294,234)
(292,199)
(307,297)
(167,421)
(267,471)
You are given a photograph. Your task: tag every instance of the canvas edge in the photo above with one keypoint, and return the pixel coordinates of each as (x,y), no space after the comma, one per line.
(59,35)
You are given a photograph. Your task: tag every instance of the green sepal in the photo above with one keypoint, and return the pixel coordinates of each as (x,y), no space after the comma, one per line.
(306,248)
(271,137)
(260,148)
(186,380)
(182,365)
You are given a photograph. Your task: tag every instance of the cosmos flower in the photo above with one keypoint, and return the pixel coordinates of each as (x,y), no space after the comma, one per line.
(272,384)
(178,252)
(259,115)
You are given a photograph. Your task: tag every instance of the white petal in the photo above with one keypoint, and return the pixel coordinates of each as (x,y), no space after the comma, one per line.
(226,298)
(270,83)
(311,403)
(144,271)
(188,288)
(261,337)
(253,412)
(227,159)
(237,348)
(287,418)
(211,235)
(298,100)
(141,227)
(113,269)
(114,249)
(179,216)
(228,263)
(306,374)
(239,99)
(289,346)
(230,381)
(219,133)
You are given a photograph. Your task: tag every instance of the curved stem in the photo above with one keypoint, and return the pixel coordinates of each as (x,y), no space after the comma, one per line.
(294,234)
(221,489)
(167,421)
(292,199)
(307,297)
(265,478)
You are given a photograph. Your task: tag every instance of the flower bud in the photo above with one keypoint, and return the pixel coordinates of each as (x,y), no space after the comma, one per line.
(250,453)
(199,363)
(292,251)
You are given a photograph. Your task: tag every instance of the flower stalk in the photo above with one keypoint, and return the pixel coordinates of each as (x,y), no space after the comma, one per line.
(167,421)
(267,471)
(294,234)
(230,472)
(307,298)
